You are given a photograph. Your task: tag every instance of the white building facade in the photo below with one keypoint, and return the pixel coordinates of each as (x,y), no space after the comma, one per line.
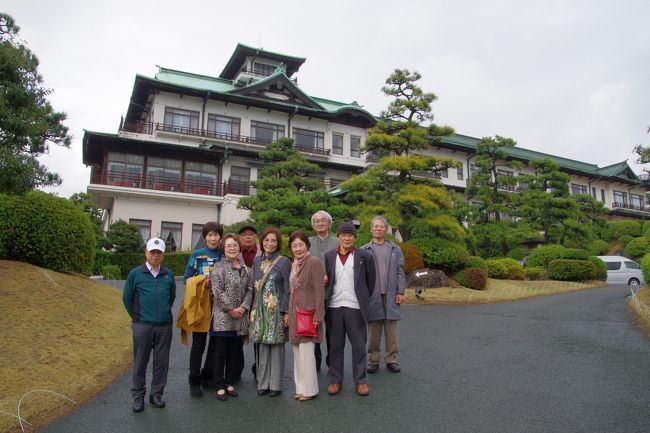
(188,148)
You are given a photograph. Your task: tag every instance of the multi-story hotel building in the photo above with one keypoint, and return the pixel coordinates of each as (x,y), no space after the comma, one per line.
(188,147)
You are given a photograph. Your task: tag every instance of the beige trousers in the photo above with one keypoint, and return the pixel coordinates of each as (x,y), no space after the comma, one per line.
(389,329)
(304,369)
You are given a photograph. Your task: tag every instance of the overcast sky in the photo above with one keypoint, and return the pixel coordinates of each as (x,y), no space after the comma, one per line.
(569,78)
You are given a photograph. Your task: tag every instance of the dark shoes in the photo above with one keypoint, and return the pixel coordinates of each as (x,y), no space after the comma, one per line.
(372,368)
(156,401)
(138,404)
(221,395)
(274,393)
(195,386)
(393,367)
(230,390)
(262,391)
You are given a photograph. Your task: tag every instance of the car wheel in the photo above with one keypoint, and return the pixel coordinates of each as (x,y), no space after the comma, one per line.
(633,283)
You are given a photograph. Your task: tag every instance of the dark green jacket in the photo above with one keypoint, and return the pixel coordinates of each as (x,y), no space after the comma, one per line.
(149,300)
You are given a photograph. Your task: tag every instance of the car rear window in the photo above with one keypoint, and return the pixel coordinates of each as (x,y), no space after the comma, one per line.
(613,266)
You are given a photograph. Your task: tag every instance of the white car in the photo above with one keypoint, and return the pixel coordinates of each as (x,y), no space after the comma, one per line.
(621,270)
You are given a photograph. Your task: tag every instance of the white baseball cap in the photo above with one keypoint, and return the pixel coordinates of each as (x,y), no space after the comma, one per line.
(156,244)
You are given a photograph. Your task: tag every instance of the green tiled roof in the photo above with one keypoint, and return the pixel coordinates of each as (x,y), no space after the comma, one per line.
(621,169)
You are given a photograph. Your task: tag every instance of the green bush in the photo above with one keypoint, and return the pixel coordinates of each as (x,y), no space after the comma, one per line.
(534,273)
(111,272)
(625,239)
(637,247)
(127,261)
(516,253)
(412,257)
(476,262)
(442,254)
(572,270)
(543,254)
(123,237)
(102,258)
(598,248)
(601,268)
(645,228)
(503,269)
(574,254)
(472,278)
(617,229)
(645,267)
(496,269)
(46,231)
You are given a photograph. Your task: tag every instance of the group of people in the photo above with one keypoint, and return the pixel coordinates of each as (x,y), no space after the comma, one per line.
(238,290)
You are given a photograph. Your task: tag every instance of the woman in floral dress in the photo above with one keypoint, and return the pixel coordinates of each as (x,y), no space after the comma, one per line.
(271,275)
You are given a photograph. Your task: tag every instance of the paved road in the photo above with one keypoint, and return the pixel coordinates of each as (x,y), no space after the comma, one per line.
(569,363)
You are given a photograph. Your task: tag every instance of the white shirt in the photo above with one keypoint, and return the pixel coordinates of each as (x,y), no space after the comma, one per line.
(153,271)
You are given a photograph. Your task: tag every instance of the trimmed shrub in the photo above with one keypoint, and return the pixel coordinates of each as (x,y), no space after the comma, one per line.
(543,254)
(572,270)
(442,254)
(111,272)
(496,269)
(601,268)
(617,229)
(516,253)
(534,273)
(46,231)
(509,269)
(476,262)
(598,248)
(412,257)
(102,258)
(472,278)
(625,239)
(574,254)
(645,266)
(637,247)
(645,228)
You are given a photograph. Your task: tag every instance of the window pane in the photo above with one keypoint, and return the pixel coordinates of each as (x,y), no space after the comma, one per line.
(144,227)
(197,231)
(171,233)
(632,265)
(459,172)
(355,145)
(337,144)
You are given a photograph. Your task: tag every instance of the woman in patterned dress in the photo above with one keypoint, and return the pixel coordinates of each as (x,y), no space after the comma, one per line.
(232,287)
(271,275)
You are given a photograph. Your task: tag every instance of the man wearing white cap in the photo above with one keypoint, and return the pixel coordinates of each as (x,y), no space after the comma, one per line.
(149,293)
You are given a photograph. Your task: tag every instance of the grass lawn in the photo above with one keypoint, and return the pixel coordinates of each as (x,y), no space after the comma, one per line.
(496,291)
(61,333)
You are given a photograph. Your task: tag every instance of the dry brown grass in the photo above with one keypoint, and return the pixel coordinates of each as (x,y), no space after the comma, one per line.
(496,291)
(59,332)
(640,305)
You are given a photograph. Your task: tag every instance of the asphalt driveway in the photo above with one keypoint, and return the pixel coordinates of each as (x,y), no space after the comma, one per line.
(575,362)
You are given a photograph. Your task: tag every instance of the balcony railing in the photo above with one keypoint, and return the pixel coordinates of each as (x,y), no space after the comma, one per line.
(164,183)
(640,208)
(149,127)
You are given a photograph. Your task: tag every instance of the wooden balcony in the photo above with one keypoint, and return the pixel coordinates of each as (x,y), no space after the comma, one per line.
(161,183)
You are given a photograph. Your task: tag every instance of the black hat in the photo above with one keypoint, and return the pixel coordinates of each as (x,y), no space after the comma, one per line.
(242,229)
(346,226)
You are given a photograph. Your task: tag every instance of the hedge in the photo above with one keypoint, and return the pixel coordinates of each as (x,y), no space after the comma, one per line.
(534,273)
(442,254)
(617,229)
(516,253)
(472,278)
(572,270)
(46,231)
(476,262)
(127,261)
(645,267)
(637,247)
(543,254)
(598,247)
(505,269)
(601,268)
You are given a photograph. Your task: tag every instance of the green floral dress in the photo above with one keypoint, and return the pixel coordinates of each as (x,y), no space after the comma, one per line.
(271,299)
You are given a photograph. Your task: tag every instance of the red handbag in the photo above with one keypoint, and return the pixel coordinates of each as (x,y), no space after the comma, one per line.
(305,323)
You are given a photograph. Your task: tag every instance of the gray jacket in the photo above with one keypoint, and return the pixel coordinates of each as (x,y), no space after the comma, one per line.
(396,283)
(231,289)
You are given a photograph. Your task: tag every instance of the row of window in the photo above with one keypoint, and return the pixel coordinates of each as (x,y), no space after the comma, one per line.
(171,232)
(230,127)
